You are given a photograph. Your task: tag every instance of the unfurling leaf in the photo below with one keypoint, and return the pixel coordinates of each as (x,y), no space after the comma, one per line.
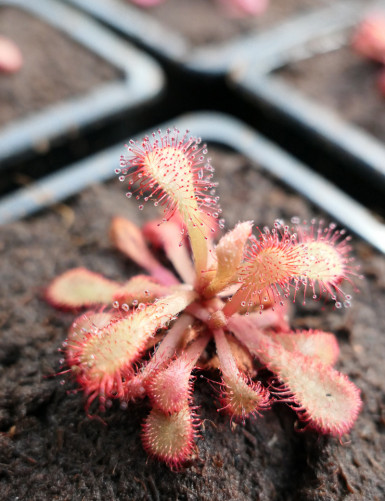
(171,237)
(229,253)
(129,240)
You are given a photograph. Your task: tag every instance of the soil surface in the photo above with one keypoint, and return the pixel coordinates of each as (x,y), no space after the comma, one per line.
(55,67)
(204,22)
(344,82)
(50,451)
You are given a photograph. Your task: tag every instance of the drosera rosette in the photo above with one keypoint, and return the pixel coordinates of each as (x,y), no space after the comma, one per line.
(221,306)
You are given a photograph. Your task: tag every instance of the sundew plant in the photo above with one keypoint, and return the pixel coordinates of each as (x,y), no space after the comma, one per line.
(217,305)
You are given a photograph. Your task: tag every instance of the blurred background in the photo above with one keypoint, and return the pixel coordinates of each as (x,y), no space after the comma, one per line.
(79,76)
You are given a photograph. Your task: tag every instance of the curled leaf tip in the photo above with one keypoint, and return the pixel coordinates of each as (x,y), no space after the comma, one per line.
(169,437)
(241,397)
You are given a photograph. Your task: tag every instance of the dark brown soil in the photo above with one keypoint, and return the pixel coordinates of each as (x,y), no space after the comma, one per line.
(50,451)
(346,83)
(204,22)
(55,67)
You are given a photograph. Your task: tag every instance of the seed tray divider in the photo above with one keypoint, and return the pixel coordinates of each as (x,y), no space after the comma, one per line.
(255,79)
(216,128)
(214,59)
(141,81)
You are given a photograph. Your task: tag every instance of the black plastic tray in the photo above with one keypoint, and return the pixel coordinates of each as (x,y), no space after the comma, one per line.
(214,59)
(216,128)
(281,102)
(141,81)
